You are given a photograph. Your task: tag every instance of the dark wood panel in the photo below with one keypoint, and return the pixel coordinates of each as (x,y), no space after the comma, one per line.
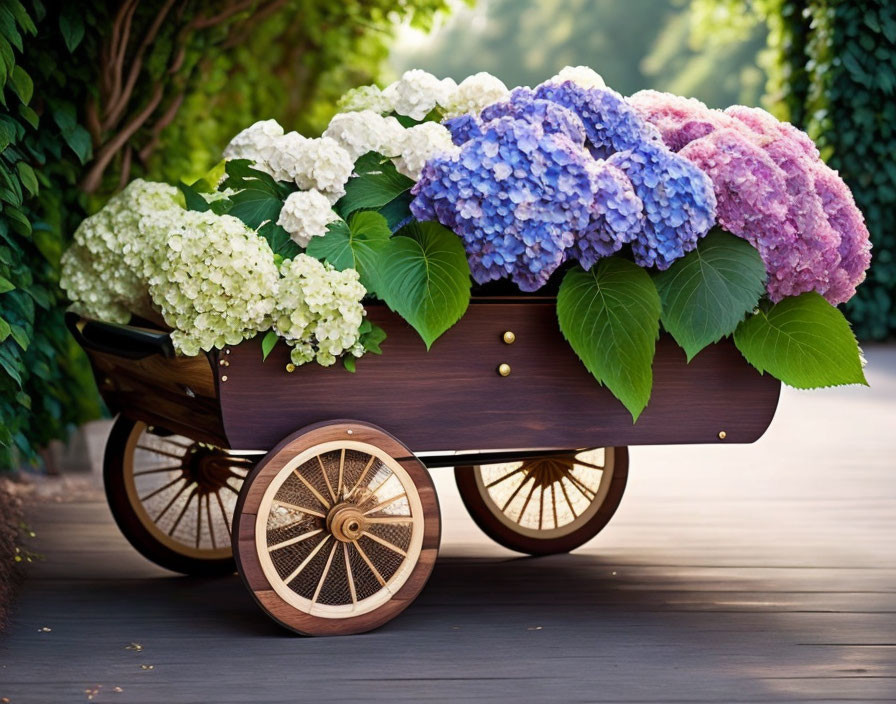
(452,398)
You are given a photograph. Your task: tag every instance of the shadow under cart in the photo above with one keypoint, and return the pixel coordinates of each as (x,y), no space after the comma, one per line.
(315,486)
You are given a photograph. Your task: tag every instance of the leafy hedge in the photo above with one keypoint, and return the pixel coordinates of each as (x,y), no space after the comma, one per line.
(832,71)
(94,94)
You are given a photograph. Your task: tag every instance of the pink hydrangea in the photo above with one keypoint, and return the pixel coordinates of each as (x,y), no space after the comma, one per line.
(773,190)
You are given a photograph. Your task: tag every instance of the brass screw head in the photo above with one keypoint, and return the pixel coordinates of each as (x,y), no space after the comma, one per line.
(722,435)
(504,369)
(508,337)
(224,378)
(290,367)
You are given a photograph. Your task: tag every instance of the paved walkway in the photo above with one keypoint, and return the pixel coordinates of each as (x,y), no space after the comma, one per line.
(730,574)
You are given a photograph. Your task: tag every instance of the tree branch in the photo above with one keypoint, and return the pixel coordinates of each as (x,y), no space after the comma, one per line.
(166,119)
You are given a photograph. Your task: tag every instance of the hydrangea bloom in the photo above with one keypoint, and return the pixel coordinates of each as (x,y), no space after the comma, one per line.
(474,93)
(515,195)
(420,143)
(417,92)
(214,281)
(323,165)
(773,190)
(365,98)
(283,156)
(523,105)
(306,214)
(255,143)
(678,199)
(580,75)
(319,310)
(366,131)
(611,124)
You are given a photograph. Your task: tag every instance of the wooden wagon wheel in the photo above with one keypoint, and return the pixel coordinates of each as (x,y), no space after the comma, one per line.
(545,505)
(172,497)
(337,530)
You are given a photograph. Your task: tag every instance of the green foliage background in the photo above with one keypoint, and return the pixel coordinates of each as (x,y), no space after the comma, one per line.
(73,129)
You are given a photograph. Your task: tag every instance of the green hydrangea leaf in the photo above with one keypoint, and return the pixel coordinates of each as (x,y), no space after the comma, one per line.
(255,206)
(378,184)
(354,245)
(425,278)
(192,199)
(267,344)
(279,240)
(706,293)
(804,341)
(610,316)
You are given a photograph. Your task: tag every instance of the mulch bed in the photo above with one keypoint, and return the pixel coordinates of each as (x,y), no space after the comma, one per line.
(11,571)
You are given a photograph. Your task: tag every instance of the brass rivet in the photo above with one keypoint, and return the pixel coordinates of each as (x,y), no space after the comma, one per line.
(227,351)
(509,338)
(504,369)
(224,378)
(290,367)
(224,363)
(350,432)
(722,435)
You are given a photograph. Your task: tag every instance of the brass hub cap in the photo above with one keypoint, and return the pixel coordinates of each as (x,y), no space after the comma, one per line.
(346,522)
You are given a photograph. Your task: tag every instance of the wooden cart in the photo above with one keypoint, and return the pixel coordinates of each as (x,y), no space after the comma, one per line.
(316,482)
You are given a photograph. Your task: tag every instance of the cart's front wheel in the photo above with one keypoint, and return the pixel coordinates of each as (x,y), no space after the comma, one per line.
(545,505)
(172,497)
(337,530)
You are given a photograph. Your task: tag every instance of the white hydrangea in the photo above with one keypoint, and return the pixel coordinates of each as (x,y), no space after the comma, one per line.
(319,310)
(365,98)
(306,214)
(284,156)
(103,272)
(421,143)
(255,143)
(580,75)
(323,165)
(365,131)
(214,281)
(474,93)
(417,92)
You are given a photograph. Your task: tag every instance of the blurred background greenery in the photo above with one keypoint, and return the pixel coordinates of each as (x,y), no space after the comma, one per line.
(95,94)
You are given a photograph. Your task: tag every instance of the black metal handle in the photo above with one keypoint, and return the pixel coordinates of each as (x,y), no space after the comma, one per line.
(125,341)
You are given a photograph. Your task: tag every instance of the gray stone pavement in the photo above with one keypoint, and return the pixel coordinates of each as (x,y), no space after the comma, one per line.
(752,573)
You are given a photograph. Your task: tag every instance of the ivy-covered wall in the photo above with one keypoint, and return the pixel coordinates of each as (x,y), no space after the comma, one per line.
(832,71)
(95,94)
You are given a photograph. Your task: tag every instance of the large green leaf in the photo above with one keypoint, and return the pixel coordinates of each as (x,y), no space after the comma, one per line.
(373,188)
(803,341)
(610,316)
(354,245)
(71,24)
(279,240)
(708,292)
(255,206)
(425,278)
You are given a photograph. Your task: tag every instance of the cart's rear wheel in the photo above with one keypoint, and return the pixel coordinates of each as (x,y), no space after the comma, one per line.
(546,505)
(337,530)
(173,498)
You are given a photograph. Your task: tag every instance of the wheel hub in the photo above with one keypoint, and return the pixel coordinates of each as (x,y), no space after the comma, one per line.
(549,470)
(208,467)
(346,522)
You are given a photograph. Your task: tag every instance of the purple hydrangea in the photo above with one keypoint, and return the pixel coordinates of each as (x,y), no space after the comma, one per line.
(773,190)
(678,200)
(463,128)
(611,124)
(515,194)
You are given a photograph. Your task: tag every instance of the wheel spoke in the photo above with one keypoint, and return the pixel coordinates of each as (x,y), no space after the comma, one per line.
(376,572)
(516,491)
(385,543)
(583,463)
(341,470)
(526,502)
(174,481)
(554,503)
(293,541)
(171,503)
(324,574)
(349,575)
(198,521)
(385,503)
(391,519)
(157,470)
(161,452)
(308,559)
(323,470)
(541,508)
(309,511)
(362,475)
(505,477)
(323,501)
(225,485)
(583,490)
(182,512)
(572,509)
(208,514)
(223,514)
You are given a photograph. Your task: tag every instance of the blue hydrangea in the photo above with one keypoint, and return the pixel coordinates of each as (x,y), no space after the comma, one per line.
(463,128)
(611,124)
(515,194)
(678,200)
(553,118)
(617,217)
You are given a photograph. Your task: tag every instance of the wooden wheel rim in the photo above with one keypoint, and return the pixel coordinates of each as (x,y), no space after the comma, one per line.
(513,500)
(210,543)
(334,507)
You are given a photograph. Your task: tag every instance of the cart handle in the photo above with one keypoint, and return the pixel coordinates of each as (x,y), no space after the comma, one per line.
(125,341)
